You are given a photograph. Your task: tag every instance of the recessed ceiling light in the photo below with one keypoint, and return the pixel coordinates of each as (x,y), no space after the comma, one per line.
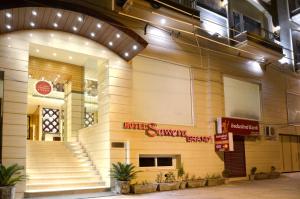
(30,35)
(93,34)
(32,24)
(55,25)
(126,54)
(163,21)
(8,26)
(86,43)
(70,57)
(37,50)
(59,14)
(34,13)
(9,46)
(54,54)
(98,25)
(75,28)
(80,19)
(110,43)
(8,38)
(8,15)
(51,35)
(118,35)
(134,47)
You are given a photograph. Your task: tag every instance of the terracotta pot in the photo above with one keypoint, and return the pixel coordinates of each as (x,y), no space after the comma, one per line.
(144,188)
(8,192)
(251,177)
(183,185)
(261,176)
(274,174)
(122,187)
(196,183)
(215,182)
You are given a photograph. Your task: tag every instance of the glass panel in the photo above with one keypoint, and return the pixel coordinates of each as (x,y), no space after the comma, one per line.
(147,161)
(1,110)
(164,161)
(252,26)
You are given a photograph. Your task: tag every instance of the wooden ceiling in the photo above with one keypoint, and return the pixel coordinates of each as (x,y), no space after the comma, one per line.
(115,36)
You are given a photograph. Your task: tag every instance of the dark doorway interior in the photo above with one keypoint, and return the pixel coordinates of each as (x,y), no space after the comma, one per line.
(235,160)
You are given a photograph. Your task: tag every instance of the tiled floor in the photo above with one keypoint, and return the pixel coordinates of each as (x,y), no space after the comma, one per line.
(286,187)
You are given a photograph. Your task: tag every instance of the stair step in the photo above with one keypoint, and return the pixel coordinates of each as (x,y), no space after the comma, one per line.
(62,180)
(59,169)
(61,174)
(73,185)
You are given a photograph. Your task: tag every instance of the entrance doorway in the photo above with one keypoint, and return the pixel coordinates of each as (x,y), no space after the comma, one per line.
(290,150)
(235,160)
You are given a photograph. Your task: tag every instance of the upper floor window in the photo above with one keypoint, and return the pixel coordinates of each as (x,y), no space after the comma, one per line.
(243,23)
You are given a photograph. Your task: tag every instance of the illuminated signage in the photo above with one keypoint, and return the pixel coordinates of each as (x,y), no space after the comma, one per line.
(224,142)
(43,87)
(238,126)
(152,130)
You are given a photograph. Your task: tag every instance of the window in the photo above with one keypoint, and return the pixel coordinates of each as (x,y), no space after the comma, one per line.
(161,92)
(157,161)
(293,106)
(243,23)
(242,99)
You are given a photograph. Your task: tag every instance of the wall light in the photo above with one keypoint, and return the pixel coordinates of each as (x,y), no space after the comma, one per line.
(163,21)
(110,43)
(37,50)
(118,35)
(70,57)
(93,34)
(75,28)
(98,25)
(255,67)
(34,13)
(80,19)
(55,25)
(59,14)
(126,54)
(134,47)
(32,24)
(8,15)
(8,26)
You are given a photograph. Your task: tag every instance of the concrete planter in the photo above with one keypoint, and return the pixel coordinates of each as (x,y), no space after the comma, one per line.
(251,177)
(168,186)
(274,175)
(215,181)
(144,188)
(8,192)
(196,183)
(183,185)
(261,176)
(122,187)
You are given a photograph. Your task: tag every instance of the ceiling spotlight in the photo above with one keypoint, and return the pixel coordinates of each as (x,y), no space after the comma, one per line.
(86,43)
(75,28)
(51,35)
(34,13)
(8,26)
(163,21)
(8,38)
(32,24)
(8,15)
(59,14)
(98,25)
(30,35)
(70,57)
(54,54)
(55,25)
(37,50)
(93,34)
(118,35)
(126,54)
(80,19)
(134,47)
(110,43)
(9,46)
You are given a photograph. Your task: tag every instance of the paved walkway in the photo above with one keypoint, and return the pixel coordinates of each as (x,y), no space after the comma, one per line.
(286,187)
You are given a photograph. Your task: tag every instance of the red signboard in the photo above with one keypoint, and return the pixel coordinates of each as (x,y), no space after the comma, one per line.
(152,130)
(238,126)
(224,142)
(43,87)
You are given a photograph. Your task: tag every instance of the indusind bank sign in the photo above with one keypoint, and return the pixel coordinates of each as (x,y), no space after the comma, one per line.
(152,130)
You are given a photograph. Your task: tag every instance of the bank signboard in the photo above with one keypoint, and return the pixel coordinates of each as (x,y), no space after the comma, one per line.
(224,142)
(238,126)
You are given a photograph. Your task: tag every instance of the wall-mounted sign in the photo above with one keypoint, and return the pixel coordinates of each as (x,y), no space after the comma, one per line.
(224,142)
(43,87)
(152,130)
(238,126)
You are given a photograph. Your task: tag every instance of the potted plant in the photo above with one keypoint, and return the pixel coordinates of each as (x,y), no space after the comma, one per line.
(252,173)
(214,180)
(144,187)
(274,174)
(194,182)
(123,173)
(169,183)
(180,174)
(261,176)
(9,177)
(226,175)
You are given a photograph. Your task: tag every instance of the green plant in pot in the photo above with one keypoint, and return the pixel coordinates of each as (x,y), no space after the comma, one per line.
(274,173)
(123,173)
(180,174)
(252,173)
(226,175)
(169,183)
(9,177)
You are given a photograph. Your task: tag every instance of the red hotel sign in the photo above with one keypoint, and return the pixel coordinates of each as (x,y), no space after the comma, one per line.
(43,87)
(238,126)
(152,130)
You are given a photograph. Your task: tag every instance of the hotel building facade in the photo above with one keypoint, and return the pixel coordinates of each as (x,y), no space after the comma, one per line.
(153,83)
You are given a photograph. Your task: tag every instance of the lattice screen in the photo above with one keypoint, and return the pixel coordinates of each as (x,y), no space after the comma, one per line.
(50,120)
(89,119)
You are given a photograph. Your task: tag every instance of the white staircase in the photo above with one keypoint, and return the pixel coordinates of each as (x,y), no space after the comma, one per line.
(60,167)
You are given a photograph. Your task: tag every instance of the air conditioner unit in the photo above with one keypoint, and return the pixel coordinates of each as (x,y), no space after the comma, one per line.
(270,133)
